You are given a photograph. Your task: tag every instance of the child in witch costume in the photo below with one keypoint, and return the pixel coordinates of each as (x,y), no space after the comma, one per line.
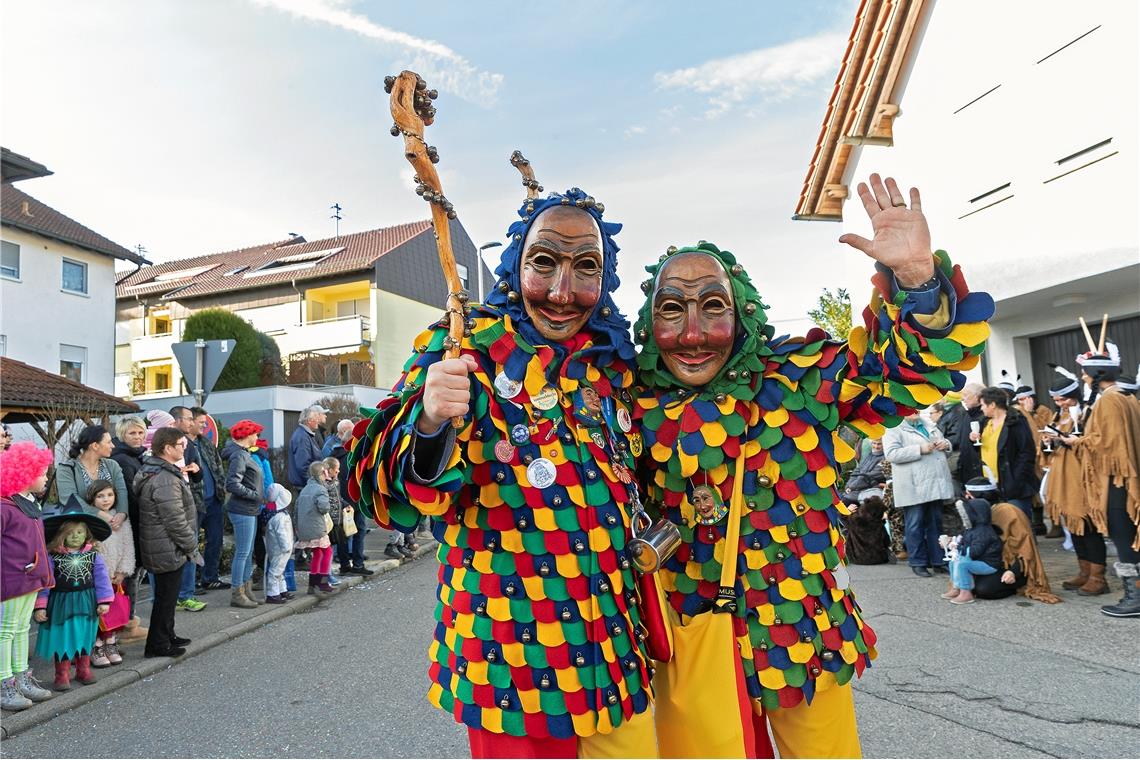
(539,644)
(719,386)
(69,613)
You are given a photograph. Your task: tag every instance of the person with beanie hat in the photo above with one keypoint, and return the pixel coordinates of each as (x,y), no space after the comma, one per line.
(24,569)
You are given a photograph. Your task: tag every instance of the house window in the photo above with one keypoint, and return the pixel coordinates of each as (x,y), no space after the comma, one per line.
(74,276)
(462,275)
(157,378)
(160,324)
(10,260)
(72,360)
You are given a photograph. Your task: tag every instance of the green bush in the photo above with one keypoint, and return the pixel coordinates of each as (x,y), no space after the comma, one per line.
(244,369)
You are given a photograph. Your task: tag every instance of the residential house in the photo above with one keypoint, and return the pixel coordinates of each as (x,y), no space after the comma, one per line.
(57,280)
(343,310)
(1020,127)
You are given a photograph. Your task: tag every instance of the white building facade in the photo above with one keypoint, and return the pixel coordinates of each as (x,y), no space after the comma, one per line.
(57,288)
(1019,123)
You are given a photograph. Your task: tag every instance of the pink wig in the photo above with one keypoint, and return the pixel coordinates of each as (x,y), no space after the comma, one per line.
(20,465)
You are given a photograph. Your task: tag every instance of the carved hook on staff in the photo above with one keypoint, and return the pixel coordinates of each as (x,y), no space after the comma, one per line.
(412,111)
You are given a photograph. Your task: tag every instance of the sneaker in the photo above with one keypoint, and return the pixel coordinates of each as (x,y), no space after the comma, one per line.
(288,596)
(113,653)
(393,551)
(215,585)
(408,553)
(276,599)
(362,570)
(190,605)
(27,685)
(10,697)
(99,657)
(333,580)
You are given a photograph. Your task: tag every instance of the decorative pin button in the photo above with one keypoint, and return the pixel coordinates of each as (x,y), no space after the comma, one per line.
(545,399)
(598,439)
(623,420)
(504,451)
(541,473)
(635,445)
(506,387)
(520,434)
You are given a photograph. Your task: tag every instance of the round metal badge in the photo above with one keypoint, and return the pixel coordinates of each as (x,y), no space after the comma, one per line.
(541,473)
(504,451)
(506,387)
(622,472)
(520,434)
(623,419)
(545,399)
(598,439)
(635,445)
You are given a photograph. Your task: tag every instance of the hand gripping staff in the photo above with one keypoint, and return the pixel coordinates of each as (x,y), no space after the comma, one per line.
(412,112)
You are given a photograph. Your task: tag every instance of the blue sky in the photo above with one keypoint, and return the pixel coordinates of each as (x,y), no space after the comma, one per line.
(197,127)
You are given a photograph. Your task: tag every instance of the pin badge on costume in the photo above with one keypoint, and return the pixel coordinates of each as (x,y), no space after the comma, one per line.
(622,473)
(635,445)
(541,473)
(623,419)
(504,451)
(520,434)
(545,399)
(598,439)
(506,387)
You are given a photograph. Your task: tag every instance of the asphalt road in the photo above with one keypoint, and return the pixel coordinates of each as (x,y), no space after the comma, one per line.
(347,679)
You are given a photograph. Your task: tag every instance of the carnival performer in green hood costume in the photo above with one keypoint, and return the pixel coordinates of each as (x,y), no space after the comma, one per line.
(721,395)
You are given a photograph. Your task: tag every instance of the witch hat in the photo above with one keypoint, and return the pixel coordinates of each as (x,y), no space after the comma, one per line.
(74,511)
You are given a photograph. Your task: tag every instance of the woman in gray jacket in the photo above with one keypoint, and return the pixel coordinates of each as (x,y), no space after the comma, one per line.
(920,479)
(244,487)
(313,507)
(90,460)
(168,536)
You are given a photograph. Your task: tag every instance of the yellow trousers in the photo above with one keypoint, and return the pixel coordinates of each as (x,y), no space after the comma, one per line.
(826,728)
(634,738)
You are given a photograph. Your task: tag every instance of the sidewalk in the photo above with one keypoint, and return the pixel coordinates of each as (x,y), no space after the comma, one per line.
(208,628)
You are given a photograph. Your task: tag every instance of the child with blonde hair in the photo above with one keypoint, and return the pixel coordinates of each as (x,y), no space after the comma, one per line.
(118,553)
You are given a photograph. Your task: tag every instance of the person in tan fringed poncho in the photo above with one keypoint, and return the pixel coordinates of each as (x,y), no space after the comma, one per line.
(1109,453)
(1064,489)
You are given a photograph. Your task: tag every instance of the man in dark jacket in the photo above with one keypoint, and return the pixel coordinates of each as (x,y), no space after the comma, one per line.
(213,511)
(867,474)
(167,525)
(965,463)
(305,444)
(1016,453)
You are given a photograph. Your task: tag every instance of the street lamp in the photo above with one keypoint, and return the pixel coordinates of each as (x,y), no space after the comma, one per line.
(479,264)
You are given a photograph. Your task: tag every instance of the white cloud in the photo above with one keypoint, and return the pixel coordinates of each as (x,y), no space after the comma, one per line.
(440,65)
(634,130)
(773,73)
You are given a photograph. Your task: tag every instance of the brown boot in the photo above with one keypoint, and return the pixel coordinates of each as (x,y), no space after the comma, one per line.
(62,680)
(1080,579)
(1055,531)
(1096,584)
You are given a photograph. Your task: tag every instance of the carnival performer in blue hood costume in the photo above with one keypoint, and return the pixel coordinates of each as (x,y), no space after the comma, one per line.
(538,647)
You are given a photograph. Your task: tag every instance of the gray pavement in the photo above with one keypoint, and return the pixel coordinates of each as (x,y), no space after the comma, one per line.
(347,678)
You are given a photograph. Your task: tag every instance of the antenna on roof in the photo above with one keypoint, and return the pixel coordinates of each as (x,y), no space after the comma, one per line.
(140,250)
(336,215)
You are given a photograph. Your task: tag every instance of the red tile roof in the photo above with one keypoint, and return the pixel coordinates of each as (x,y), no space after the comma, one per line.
(24,212)
(24,388)
(347,253)
(864,101)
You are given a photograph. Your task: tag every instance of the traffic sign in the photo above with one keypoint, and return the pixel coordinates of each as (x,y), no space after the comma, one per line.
(202,362)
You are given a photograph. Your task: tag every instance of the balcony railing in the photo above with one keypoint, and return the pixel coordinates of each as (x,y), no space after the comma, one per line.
(339,335)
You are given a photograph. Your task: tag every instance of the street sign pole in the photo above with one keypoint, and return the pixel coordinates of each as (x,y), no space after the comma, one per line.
(199,371)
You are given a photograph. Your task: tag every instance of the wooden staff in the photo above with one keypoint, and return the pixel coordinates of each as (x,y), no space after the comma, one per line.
(1103,333)
(1088,335)
(518,160)
(412,111)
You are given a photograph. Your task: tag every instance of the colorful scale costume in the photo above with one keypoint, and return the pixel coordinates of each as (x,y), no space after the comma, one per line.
(781,401)
(538,633)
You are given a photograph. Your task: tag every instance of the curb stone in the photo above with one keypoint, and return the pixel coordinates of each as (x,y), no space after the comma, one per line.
(110,682)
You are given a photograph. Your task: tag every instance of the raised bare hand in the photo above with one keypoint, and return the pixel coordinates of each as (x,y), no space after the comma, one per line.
(901,235)
(447,392)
